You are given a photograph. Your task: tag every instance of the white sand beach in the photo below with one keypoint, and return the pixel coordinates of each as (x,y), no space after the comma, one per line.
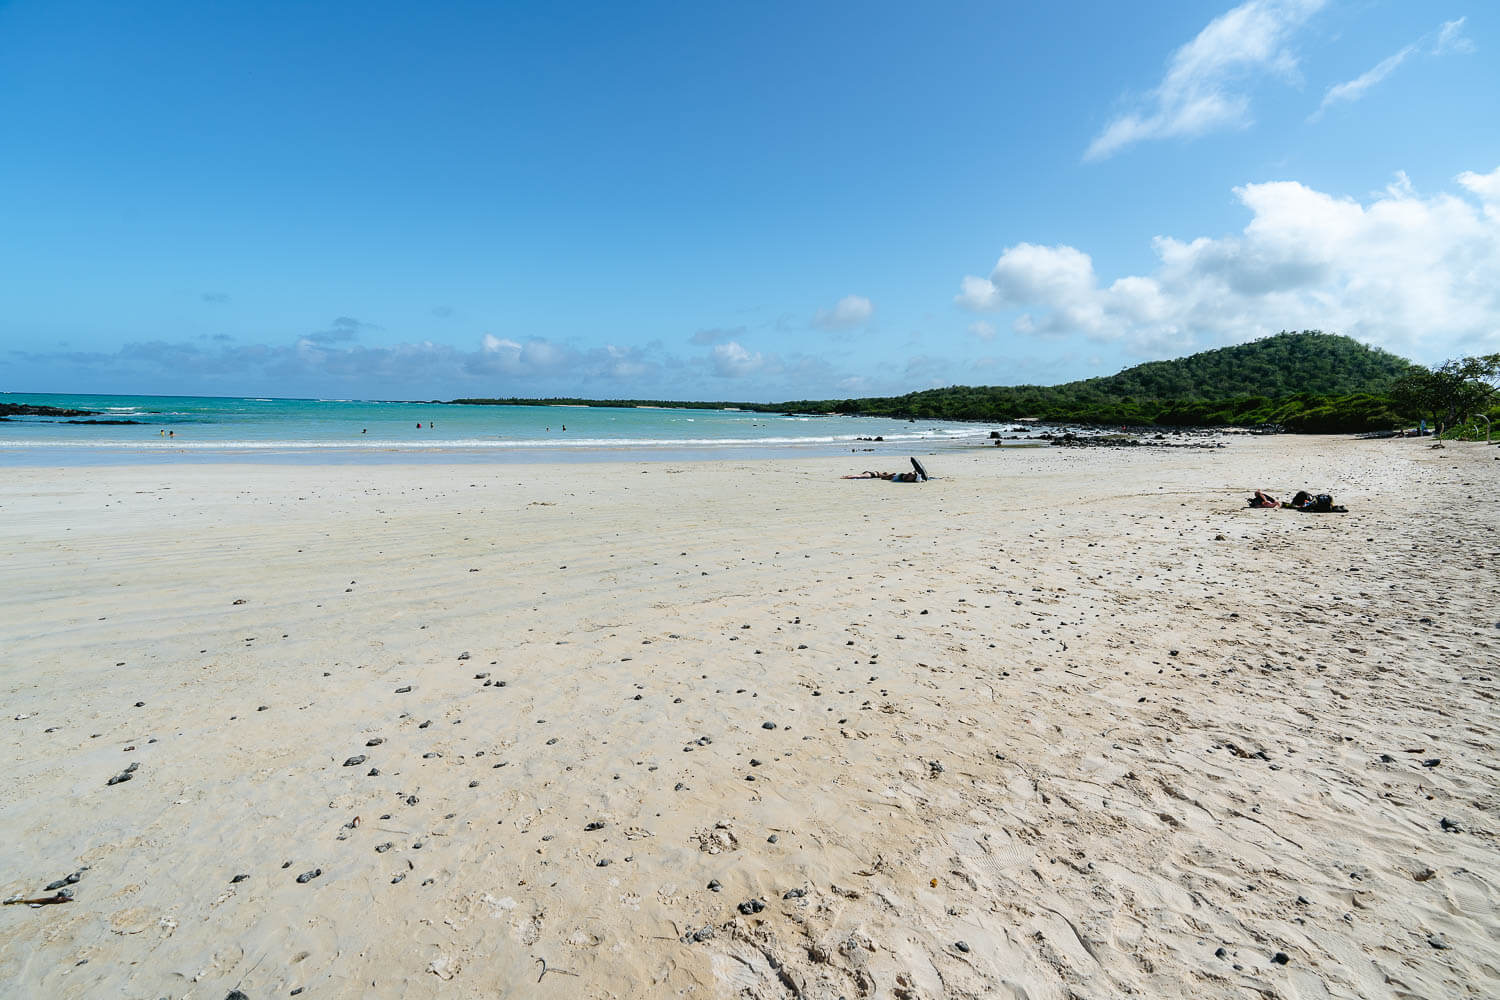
(1057,724)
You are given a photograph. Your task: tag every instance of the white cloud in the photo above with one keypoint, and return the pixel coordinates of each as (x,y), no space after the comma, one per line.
(1203,88)
(982,330)
(1450,38)
(1485,186)
(733,361)
(849,311)
(1353,90)
(1410,273)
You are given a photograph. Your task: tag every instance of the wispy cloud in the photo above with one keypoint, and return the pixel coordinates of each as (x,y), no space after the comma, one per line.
(849,311)
(1204,88)
(1448,38)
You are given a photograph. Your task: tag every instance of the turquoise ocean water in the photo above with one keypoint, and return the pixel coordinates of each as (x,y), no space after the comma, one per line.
(324,430)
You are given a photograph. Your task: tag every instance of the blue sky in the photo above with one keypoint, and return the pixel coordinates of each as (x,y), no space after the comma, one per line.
(729,201)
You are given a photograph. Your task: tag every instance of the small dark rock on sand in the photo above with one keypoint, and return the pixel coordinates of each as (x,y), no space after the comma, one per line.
(962,946)
(307,877)
(237,879)
(1280,958)
(794,894)
(597,824)
(65,880)
(403,689)
(750,906)
(355,761)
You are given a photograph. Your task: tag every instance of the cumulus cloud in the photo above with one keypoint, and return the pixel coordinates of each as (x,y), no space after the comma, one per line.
(730,360)
(1448,38)
(1205,83)
(1407,272)
(849,311)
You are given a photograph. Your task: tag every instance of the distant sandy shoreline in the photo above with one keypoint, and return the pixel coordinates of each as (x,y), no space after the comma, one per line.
(1058,723)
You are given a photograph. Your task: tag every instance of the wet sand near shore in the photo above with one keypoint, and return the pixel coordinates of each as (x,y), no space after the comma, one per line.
(1056,724)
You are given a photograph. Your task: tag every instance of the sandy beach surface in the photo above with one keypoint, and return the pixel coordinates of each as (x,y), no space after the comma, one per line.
(1058,724)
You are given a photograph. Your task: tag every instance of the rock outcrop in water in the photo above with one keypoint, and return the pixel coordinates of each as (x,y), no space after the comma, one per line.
(8,410)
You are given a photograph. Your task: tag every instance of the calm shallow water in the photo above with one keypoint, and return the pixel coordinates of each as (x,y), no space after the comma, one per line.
(323,430)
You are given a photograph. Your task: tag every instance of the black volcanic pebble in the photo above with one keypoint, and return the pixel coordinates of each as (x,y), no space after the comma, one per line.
(382,848)
(122,776)
(403,689)
(374,741)
(355,761)
(798,894)
(714,885)
(373,772)
(307,877)
(238,878)
(1280,958)
(597,824)
(750,906)
(962,946)
(768,725)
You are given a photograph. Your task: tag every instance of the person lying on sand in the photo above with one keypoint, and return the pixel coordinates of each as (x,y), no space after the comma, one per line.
(894,477)
(1305,502)
(1263,499)
(917,475)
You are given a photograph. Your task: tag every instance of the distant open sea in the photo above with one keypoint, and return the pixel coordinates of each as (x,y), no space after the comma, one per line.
(350,430)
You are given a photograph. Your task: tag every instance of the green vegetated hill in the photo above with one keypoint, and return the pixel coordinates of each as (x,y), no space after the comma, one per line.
(1308,381)
(1303,381)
